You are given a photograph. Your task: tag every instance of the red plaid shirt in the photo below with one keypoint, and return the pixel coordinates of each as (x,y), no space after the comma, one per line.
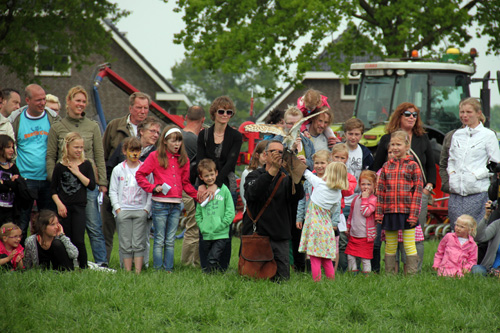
(399,189)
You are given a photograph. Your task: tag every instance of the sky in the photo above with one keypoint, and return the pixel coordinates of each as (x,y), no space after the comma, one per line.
(151,26)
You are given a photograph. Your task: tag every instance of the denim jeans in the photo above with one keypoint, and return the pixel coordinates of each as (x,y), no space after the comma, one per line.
(165,221)
(94,227)
(376,249)
(479,269)
(44,201)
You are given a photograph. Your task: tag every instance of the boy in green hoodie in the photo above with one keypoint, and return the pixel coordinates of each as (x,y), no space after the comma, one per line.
(213,218)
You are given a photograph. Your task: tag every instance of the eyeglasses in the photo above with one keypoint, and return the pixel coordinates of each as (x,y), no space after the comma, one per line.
(227,112)
(276,150)
(153,131)
(409,113)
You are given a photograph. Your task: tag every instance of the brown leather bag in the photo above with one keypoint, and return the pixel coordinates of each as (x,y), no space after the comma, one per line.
(257,257)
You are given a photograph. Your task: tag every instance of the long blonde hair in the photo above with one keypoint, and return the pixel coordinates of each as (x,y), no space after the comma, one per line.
(69,138)
(336,176)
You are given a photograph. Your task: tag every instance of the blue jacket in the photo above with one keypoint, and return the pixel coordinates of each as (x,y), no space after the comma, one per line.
(367,157)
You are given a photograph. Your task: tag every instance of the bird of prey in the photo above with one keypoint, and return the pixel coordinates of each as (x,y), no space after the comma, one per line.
(293,165)
(289,137)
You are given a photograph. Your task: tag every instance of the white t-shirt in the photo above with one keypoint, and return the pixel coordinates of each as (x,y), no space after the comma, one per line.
(354,167)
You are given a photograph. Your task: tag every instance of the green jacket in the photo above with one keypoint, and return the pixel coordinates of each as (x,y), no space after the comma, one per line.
(92,140)
(214,220)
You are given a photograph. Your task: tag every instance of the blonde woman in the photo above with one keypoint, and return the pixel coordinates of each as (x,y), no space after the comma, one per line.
(76,121)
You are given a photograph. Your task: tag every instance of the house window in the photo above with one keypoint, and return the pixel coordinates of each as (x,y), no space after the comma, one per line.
(47,63)
(349,91)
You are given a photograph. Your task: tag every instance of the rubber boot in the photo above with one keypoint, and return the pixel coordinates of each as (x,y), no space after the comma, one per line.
(412,264)
(390,264)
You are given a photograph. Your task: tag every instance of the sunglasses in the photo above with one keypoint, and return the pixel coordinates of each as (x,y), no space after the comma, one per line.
(222,112)
(409,113)
(276,150)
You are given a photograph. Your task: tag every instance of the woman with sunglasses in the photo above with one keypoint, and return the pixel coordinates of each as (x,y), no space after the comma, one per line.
(407,117)
(222,144)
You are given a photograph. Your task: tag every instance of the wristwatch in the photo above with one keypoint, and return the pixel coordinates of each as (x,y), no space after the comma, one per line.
(429,187)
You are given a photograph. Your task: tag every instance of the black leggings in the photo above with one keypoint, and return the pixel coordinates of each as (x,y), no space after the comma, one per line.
(74,228)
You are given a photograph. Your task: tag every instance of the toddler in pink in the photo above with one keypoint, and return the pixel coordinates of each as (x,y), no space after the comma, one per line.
(457,252)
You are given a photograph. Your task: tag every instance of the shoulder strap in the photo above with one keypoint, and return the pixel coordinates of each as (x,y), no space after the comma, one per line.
(267,202)
(420,165)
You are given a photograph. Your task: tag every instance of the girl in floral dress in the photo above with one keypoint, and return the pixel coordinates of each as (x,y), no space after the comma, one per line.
(318,237)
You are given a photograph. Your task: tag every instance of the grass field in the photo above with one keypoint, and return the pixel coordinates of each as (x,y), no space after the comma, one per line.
(187,300)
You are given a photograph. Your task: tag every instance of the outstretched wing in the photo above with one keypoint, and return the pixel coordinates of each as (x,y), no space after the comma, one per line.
(294,131)
(261,128)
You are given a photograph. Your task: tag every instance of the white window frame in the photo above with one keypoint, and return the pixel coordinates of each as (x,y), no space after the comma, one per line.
(343,95)
(52,73)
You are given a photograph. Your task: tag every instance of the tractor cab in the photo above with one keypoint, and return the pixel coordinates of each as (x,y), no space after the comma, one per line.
(436,88)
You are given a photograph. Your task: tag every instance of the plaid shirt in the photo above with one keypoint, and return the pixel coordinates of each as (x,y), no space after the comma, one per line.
(399,189)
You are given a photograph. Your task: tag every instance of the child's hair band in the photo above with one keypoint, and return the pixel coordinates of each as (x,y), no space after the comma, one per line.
(172,130)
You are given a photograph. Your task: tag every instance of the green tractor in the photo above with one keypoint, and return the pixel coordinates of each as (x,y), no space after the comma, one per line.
(436,88)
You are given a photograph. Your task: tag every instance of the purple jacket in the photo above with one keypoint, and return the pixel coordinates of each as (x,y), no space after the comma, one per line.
(451,257)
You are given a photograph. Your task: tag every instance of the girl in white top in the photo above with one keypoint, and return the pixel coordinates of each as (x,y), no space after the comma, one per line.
(472,148)
(131,206)
(318,237)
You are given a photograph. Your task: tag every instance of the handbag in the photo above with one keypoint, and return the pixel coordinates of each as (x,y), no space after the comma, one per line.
(256,256)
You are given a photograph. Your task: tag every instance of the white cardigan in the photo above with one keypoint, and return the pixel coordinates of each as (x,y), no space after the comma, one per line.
(470,151)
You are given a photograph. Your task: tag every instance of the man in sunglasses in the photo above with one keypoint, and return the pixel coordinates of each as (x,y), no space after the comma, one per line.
(277,218)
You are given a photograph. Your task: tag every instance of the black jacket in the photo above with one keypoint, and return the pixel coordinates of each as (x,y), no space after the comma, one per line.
(230,151)
(279,216)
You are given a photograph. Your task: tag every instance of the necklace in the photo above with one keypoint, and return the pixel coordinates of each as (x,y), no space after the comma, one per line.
(5,163)
(219,135)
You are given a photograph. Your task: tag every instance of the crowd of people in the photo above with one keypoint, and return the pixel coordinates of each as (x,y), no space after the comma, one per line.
(332,210)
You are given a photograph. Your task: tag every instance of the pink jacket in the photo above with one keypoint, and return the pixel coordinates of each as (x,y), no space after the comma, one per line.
(451,257)
(368,206)
(305,112)
(20,252)
(175,176)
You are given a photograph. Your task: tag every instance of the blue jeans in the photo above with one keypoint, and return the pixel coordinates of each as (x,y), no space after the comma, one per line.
(93,225)
(44,201)
(479,269)
(165,221)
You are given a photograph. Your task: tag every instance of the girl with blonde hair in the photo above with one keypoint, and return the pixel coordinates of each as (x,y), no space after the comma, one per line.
(318,237)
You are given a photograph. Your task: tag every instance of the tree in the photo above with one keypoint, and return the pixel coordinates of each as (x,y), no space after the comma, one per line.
(495,118)
(237,35)
(35,33)
(203,86)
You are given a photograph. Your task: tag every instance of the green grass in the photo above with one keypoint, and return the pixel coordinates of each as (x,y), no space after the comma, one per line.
(187,300)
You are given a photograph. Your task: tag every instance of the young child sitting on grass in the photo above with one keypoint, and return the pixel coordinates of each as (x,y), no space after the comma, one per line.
(11,251)
(457,252)
(214,219)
